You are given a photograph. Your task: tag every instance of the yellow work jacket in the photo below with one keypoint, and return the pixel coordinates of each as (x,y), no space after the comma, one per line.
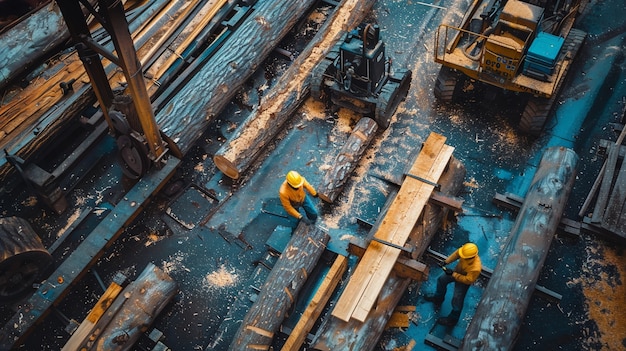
(293,198)
(467,270)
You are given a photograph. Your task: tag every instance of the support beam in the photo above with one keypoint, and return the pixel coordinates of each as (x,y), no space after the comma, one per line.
(404,267)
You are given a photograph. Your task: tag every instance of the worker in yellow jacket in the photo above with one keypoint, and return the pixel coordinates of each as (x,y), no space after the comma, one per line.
(293,197)
(464,274)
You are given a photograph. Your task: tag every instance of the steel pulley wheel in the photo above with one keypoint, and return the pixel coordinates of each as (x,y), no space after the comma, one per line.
(23,258)
(133,157)
(120,124)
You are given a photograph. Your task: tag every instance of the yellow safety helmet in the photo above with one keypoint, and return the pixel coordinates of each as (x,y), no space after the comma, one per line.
(468,250)
(294,179)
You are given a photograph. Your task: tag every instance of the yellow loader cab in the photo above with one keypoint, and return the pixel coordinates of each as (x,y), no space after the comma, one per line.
(514,45)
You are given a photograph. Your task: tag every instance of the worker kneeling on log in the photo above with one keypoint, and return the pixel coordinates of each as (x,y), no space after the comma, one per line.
(293,196)
(464,274)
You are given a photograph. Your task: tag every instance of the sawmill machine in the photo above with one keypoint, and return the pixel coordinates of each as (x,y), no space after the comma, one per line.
(524,47)
(357,74)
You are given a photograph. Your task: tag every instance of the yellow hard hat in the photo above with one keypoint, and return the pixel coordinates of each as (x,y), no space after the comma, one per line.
(295,179)
(468,250)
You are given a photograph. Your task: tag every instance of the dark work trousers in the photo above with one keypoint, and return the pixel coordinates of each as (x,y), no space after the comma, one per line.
(460,290)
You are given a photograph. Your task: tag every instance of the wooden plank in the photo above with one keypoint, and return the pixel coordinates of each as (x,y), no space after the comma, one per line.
(404,267)
(398,320)
(84,329)
(379,259)
(317,304)
(404,224)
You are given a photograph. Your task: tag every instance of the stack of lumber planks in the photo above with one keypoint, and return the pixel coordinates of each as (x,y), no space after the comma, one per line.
(370,275)
(336,334)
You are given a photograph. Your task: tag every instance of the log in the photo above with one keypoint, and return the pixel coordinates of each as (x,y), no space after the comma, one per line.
(132,312)
(263,124)
(23,258)
(281,288)
(187,115)
(30,40)
(502,308)
(335,334)
(348,158)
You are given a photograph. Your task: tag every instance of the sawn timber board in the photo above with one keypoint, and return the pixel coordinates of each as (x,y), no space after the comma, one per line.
(377,263)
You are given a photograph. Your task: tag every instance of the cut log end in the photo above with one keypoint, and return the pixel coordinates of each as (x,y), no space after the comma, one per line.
(226,166)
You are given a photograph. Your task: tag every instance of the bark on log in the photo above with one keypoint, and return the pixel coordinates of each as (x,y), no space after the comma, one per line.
(187,115)
(501,310)
(347,159)
(336,334)
(132,312)
(281,288)
(28,41)
(234,157)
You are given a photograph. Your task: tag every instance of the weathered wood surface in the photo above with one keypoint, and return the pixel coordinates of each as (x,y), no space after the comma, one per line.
(281,288)
(37,307)
(191,110)
(336,334)
(316,306)
(372,271)
(347,159)
(40,111)
(250,138)
(85,328)
(132,312)
(31,39)
(499,315)
(614,218)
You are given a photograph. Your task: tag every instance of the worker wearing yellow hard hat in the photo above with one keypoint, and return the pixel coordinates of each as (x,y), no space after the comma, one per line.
(464,274)
(293,197)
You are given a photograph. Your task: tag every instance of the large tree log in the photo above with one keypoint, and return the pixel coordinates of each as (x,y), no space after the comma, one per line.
(347,159)
(501,310)
(336,334)
(187,115)
(132,312)
(278,106)
(281,288)
(30,40)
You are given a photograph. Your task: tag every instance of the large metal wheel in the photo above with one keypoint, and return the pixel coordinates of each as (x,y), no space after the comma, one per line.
(23,258)
(133,157)
(391,95)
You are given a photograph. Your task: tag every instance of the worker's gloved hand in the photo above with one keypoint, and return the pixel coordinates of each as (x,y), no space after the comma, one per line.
(446,270)
(306,220)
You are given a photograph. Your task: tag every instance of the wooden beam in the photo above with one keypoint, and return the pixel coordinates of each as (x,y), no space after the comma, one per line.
(405,267)
(317,304)
(379,259)
(85,328)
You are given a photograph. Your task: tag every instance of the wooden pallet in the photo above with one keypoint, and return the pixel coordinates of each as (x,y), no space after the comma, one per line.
(379,258)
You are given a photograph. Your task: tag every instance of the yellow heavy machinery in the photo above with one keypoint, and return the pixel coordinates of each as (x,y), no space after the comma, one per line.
(519,46)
